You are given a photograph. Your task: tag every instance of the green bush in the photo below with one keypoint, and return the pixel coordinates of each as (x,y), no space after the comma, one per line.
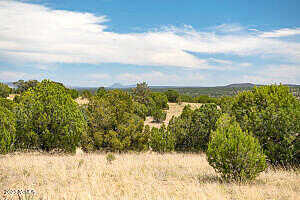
(7,130)
(181,128)
(272,114)
(110,157)
(100,92)
(297,147)
(160,100)
(173,96)
(205,99)
(162,140)
(113,125)
(203,123)
(6,103)
(159,115)
(141,93)
(192,129)
(74,93)
(140,109)
(86,94)
(187,98)
(4,90)
(22,85)
(48,118)
(235,154)
(225,103)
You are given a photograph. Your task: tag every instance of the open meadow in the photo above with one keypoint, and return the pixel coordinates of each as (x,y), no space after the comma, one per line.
(136,176)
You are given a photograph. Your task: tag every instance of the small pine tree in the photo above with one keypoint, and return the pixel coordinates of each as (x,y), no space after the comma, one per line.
(235,154)
(48,118)
(162,140)
(4,90)
(159,115)
(7,130)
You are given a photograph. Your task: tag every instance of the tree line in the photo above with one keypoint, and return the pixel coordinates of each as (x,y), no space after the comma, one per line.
(240,134)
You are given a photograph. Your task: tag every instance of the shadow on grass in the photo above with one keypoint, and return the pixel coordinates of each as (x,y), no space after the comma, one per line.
(204,179)
(209,179)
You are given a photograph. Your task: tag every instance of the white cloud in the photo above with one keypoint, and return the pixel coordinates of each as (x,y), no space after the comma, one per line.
(35,33)
(227,28)
(245,64)
(281,33)
(99,76)
(287,74)
(160,78)
(11,76)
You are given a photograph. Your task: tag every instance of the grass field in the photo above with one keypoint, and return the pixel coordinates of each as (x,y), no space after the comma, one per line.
(135,176)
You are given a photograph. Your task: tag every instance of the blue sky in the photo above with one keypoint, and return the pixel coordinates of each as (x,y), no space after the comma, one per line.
(162,42)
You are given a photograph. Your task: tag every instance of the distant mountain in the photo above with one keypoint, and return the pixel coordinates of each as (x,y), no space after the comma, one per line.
(10,84)
(250,85)
(119,85)
(235,85)
(241,85)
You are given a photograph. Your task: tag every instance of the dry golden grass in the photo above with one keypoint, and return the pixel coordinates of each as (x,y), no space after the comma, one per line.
(135,176)
(82,101)
(174,110)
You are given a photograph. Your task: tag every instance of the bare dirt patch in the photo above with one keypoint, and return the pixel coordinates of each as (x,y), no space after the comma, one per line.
(174,110)
(82,101)
(12,96)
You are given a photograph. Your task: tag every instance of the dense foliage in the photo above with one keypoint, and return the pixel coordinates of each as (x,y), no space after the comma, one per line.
(45,116)
(22,85)
(160,100)
(192,129)
(173,96)
(48,118)
(159,115)
(74,93)
(4,90)
(235,154)
(7,130)
(113,124)
(86,94)
(272,114)
(161,139)
(141,93)
(6,103)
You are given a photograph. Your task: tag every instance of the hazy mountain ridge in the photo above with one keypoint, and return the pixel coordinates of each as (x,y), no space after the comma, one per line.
(121,86)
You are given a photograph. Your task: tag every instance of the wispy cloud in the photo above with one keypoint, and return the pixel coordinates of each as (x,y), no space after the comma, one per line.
(228,28)
(35,33)
(287,74)
(160,78)
(281,33)
(12,76)
(99,76)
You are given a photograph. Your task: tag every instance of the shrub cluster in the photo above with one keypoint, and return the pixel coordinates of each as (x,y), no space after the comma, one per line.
(272,114)
(4,90)
(161,139)
(235,154)
(192,128)
(154,102)
(7,130)
(48,118)
(22,85)
(173,96)
(114,123)
(258,125)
